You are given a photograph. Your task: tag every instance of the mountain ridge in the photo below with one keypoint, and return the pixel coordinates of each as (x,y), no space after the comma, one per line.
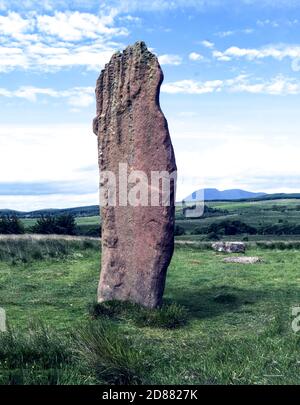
(213,194)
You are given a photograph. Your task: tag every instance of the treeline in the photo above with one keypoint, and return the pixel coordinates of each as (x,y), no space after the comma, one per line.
(236,227)
(280,229)
(207,212)
(11,225)
(87,211)
(64,224)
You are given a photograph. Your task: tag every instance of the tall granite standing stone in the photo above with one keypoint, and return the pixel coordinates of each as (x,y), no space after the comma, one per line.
(137,241)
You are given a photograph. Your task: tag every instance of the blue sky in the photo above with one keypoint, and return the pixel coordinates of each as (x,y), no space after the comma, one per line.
(231,92)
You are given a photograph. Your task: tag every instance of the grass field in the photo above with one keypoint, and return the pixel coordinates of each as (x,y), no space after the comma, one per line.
(255,213)
(94,220)
(237,331)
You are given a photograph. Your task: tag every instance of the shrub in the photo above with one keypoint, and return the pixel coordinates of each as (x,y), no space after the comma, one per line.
(179,230)
(231,227)
(283,228)
(65,224)
(212,236)
(11,225)
(44,225)
(61,225)
(93,231)
(197,231)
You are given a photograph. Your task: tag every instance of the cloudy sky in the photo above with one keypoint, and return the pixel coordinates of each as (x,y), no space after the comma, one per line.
(231,92)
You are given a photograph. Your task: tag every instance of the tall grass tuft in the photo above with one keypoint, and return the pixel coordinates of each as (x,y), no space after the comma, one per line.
(41,346)
(101,346)
(170,316)
(113,309)
(38,356)
(30,248)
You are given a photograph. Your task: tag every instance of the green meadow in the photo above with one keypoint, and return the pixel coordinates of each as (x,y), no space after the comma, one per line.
(220,323)
(272,220)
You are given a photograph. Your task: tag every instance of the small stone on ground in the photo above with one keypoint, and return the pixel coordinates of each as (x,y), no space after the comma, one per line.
(229,247)
(243,260)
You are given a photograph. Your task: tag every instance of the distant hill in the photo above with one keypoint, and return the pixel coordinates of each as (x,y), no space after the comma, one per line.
(213,194)
(279,196)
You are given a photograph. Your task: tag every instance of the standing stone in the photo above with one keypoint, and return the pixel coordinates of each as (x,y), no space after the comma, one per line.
(137,241)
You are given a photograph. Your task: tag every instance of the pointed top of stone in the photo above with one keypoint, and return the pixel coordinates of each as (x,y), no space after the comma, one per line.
(138,50)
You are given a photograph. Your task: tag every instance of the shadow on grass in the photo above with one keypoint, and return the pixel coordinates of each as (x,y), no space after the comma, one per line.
(214,301)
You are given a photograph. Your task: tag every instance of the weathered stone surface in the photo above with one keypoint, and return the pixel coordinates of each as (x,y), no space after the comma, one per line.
(229,247)
(243,260)
(137,241)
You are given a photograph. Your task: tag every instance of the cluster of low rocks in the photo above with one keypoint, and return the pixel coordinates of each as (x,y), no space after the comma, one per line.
(243,260)
(235,247)
(229,247)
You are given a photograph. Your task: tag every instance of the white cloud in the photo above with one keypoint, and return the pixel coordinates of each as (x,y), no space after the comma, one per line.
(278,23)
(224,34)
(192,87)
(242,162)
(277,52)
(187,114)
(267,22)
(279,85)
(37,202)
(221,56)
(131,19)
(229,33)
(207,44)
(194,56)
(15,26)
(164,5)
(52,42)
(170,59)
(296,65)
(42,153)
(76,97)
(126,6)
(78,26)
